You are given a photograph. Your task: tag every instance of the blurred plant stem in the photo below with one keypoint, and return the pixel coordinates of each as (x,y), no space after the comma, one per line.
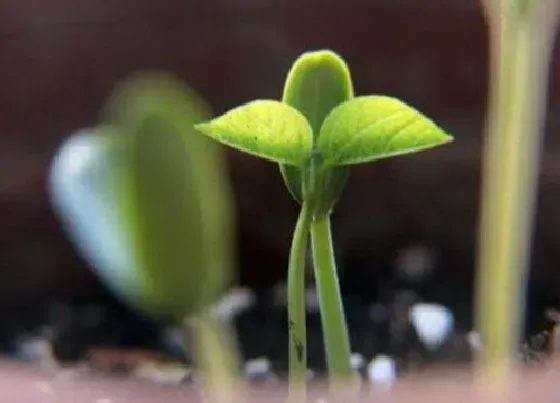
(217,355)
(521,38)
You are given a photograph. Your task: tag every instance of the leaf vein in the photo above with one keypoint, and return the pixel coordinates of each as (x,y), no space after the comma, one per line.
(366,130)
(391,139)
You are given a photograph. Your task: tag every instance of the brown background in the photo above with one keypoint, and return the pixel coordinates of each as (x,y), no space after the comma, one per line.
(59,60)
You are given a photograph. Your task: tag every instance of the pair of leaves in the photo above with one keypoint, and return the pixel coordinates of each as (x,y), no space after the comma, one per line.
(359,130)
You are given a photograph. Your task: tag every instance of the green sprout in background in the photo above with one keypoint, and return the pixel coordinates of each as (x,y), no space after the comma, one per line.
(157,221)
(175,200)
(521,36)
(315,133)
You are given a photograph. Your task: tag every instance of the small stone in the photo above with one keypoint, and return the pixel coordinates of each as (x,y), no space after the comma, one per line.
(474,340)
(234,303)
(357,361)
(162,374)
(310,375)
(258,369)
(34,349)
(433,323)
(382,369)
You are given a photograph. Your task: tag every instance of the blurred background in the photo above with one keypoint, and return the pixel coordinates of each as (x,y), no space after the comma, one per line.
(403,224)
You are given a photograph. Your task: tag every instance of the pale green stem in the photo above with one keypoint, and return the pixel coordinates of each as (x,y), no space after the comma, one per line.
(335,331)
(520,56)
(296,299)
(216,355)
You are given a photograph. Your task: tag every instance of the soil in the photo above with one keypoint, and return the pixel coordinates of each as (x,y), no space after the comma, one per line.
(106,336)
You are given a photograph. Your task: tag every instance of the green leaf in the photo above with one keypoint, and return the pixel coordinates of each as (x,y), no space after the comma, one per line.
(172,193)
(316,83)
(368,128)
(293,180)
(264,128)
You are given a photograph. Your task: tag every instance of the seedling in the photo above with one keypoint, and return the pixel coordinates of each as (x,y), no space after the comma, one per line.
(160,233)
(315,133)
(521,36)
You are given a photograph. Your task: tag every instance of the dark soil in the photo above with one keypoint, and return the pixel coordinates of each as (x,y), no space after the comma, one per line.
(110,337)
(106,334)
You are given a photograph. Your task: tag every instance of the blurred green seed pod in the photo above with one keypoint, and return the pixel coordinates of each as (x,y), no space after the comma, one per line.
(171,195)
(174,195)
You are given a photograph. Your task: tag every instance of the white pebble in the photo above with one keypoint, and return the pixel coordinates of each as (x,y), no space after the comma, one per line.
(166,375)
(235,302)
(474,340)
(433,323)
(382,369)
(257,367)
(34,349)
(310,375)
(357,361)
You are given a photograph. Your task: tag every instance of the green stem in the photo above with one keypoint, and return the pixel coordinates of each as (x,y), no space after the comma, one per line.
(296,298)
(337,344)
(520,51)
(216,355)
